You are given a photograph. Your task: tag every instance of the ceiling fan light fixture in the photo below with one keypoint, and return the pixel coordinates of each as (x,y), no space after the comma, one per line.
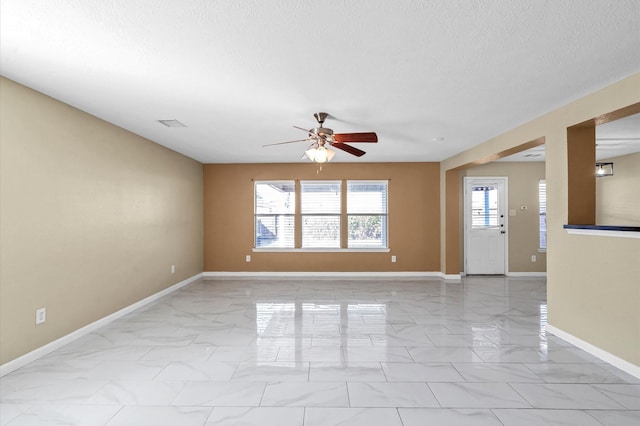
(330,154)
(320,154)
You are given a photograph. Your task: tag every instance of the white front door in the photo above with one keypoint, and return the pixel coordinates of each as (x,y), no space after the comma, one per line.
(485,223)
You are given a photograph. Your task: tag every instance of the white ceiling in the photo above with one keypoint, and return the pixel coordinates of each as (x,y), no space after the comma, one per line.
(432,78)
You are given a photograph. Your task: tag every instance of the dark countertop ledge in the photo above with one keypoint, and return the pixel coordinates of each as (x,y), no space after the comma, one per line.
(604,228)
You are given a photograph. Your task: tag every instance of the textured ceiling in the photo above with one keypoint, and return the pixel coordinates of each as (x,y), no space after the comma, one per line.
(432,78)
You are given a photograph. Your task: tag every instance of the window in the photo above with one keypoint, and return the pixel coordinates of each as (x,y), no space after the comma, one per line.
(320,207)
(484,207)
(367,214)
(316,219)
(542,209)
(274,214)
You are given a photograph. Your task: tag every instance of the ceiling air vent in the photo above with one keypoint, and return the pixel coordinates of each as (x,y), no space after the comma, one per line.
(171,123)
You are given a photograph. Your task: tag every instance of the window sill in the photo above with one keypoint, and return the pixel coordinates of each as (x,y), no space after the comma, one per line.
(604,231)
(320,250)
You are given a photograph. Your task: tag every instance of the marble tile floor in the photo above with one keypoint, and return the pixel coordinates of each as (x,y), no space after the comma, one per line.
(312,352)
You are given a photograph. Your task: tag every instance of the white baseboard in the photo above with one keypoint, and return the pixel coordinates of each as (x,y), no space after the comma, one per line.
(451,277)
(64,340)
(267,274)
(620,363)
(526,274)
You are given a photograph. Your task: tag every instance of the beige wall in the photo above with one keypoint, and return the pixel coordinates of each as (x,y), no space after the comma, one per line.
(92,217)
(523,178)
(413,218)
(592,282)
(618,196)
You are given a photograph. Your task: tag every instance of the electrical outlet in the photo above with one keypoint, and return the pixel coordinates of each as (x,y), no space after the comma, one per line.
(393,259)
(534,258)
(173,269)
(247,258)
(41,316)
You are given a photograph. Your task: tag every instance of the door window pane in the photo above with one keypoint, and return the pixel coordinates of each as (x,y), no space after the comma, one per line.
(484,206)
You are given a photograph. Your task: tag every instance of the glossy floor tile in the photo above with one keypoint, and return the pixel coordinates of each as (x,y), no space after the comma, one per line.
(448,417)
(314,352)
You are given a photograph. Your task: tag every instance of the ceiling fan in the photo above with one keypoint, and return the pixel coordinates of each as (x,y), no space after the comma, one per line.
(322,138)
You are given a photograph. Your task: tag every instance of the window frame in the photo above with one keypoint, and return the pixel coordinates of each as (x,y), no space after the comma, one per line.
(319,214)
(385,214)
(542,215)
(256,215)
(343,220)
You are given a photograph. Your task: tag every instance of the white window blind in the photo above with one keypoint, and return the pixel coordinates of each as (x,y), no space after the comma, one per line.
(542,203)
(320,208)
(275,204)
(367,214)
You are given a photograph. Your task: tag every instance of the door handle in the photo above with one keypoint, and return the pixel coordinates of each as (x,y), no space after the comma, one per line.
(503,232)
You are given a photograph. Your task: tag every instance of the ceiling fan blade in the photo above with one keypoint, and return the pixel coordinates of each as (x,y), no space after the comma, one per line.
(305,130)
(282,143)
(348,148)
(355,137)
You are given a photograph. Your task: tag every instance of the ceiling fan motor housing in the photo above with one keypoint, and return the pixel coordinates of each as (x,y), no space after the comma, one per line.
(322,132)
